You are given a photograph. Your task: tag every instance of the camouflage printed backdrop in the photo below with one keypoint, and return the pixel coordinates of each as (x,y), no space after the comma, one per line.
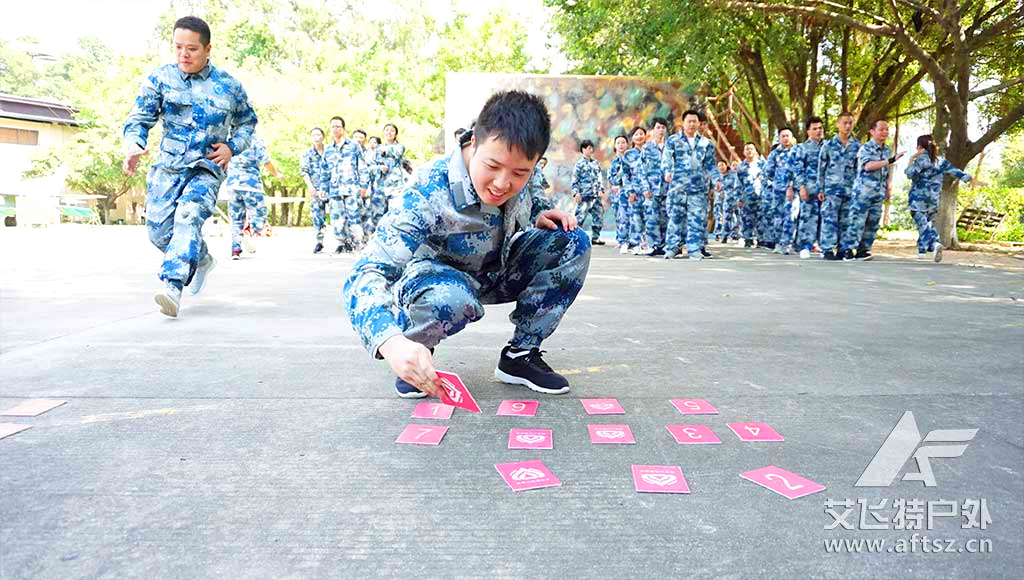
(582,107)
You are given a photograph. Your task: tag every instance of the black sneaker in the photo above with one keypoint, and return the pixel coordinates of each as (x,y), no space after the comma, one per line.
(748,243)
(831,256)
(526,367)
(407,391)
(657,252)
(318,248)
(848,255)
(725,240)
(342,248)
(704,252)
(863,256)
(597,242)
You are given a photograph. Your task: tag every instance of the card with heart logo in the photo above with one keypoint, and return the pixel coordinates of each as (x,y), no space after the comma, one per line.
(755,432)
(693,434)
(422,434)
(518,408)
(523,475)
(611,434)
(602,407)
(432,411)
(659,479)
(782,482)
(33,408)
(530,439)
(455,393)
(7,429)
(694,407)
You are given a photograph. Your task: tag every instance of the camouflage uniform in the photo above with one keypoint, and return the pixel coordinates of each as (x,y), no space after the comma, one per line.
(634,182)
(869,189)
(536,187)
(344,174)
(805,170)
(392,176)
(620,201)
(197,110)
(837,168)
(925,189)
(725,205)
(692,168)
(655,208)
(378,202)
(311,166)
(246,187)
(441,254)
(749,182)
(586,183)
(779,176)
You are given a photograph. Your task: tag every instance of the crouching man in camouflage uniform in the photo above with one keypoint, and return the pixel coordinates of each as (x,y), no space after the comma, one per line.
(459,237)
(207,119)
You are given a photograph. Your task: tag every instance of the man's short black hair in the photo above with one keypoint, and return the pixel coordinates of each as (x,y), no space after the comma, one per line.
(359,131)
(659,121)
(845,114)
(585,143)
(787,128)
(812,120)
(195,25)
(691,112)
(874,124)
(519,119)
(338,117)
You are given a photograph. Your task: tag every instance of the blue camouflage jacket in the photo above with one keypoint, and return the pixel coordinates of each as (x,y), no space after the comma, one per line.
(926,180)
(804,162)
(343,169)
(652,154)
(779,172)
(749,178)
(586,179)
(691,166)
(634,178)
(440,218)
(837,163)
(872,183)
(196,111)
(311,165)
(244,168)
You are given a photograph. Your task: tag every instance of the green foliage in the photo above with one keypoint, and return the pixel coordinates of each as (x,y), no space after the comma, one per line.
(1012,172)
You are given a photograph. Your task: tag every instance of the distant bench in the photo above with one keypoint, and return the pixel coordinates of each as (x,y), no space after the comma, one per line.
(979,220)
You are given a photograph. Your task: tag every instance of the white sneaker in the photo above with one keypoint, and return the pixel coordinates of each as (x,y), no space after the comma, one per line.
(922,256)
(777,249)
(206,265)
(247,243)
(168,300)
(696,257)
(805,254)
(785,251)
(623,249)
(937,252)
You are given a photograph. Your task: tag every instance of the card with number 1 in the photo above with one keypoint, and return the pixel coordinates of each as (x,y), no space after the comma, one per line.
(432,411)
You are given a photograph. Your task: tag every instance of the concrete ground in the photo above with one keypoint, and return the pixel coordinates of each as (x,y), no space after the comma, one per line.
(253,437)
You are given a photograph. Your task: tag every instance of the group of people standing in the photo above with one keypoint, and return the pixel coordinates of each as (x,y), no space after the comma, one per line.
(818,195)
(351,179)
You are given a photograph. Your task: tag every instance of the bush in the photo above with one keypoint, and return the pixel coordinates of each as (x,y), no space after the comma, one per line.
(1007,200)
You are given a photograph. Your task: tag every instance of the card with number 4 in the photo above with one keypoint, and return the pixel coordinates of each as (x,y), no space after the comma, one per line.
(755,432)
(422,434)
(782,482)
(455,393)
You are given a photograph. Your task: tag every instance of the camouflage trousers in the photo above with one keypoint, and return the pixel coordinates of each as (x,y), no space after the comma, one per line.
(637,213)
(376,207)
(175,225)
(543,273)
(807,227)
(318,213)
(246,205)
(835,218)
(656,214)
(591,207)
(750,215)
(622,219)
(864,221)
(924,212)
(687,219)
(346,219)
